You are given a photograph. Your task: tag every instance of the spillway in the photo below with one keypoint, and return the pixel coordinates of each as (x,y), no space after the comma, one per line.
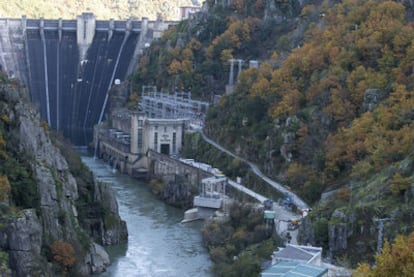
(69,66)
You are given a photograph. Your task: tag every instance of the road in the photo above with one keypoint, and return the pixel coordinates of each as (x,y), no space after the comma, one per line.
(282,216)
(296,199)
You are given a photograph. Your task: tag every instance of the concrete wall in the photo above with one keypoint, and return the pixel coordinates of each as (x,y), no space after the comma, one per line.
(166,168)
(69,66)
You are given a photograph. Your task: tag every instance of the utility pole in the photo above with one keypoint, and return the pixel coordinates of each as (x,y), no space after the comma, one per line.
(380,227)
(240,62)
(231,75)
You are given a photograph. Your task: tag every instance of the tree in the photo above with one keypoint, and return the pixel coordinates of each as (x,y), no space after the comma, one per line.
(4,188)
(394,260)
(399,184)
(63,253)
(3,154)
(174,67)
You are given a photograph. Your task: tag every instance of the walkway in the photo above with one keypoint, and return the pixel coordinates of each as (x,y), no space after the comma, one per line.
(242,188)
(296,199)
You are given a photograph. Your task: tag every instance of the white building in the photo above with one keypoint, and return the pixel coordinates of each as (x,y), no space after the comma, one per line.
(161,135)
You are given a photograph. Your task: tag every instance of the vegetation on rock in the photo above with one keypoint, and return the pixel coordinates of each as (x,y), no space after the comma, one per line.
(38,187)
(238,246)
(63,254)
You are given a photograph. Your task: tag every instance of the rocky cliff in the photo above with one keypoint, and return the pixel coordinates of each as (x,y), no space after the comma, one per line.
(43,232)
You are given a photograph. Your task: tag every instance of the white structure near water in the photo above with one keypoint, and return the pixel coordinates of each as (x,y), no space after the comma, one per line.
(212,197)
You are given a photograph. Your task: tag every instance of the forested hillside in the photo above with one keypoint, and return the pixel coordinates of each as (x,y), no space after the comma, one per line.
(103,9)
(330,109)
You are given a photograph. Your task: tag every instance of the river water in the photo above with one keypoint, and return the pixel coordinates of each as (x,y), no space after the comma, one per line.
(158,244)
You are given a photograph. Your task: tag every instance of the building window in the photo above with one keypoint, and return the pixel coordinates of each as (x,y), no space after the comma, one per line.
(156,141)
(174,140)
(165,129)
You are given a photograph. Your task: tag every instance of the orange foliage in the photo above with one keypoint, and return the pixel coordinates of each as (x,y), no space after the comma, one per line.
(186,66)
(261,87)
(399,184)
(194,44)
(289,104)
(343,194)
(4,188)
(340,107)
(302,132)
(187,54)
(63,253)
(3,154)
(226,55)
(382,136)
(395,260)
(236,33)
(174,68)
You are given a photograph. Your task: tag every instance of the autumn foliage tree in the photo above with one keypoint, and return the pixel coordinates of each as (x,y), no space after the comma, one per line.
(4,188)
(63,254)
(237,32)
(395,260)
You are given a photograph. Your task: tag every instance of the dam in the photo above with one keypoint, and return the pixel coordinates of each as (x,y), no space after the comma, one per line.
(69,66)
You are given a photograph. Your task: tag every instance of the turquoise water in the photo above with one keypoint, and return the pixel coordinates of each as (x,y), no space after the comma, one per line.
(158,244)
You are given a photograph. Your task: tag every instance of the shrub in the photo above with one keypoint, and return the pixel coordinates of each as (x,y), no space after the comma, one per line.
(63,254)
(4,188)
(343,194)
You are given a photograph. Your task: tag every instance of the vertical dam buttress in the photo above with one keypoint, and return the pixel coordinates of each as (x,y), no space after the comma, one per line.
(69,66)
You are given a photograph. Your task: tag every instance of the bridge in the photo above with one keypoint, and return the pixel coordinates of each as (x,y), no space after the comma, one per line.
(69,66)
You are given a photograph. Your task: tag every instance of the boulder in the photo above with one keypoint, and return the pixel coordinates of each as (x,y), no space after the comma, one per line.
(98,260)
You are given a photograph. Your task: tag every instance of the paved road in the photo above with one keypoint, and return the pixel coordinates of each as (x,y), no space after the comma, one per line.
(282,216)
(296,199)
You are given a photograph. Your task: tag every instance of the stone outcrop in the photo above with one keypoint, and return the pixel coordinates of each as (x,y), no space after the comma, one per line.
(113,230)
(23,239)
(338,232)
(98,258)
(178,193)
(29,233)
(372,97)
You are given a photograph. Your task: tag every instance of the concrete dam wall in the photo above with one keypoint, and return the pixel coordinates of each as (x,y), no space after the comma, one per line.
(69,66)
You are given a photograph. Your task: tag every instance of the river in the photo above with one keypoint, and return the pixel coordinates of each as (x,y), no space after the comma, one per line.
(158,244)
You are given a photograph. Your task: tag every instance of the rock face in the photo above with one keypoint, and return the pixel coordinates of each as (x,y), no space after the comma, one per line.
(24,241)
(98,259)
(114,230)
(338,233)
(372,97)
(178,193)
(29,233)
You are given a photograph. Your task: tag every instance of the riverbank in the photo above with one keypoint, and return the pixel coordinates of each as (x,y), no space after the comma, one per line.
(158,244)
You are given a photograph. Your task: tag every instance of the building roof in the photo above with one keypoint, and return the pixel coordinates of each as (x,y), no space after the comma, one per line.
(294,269)
(298,253)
